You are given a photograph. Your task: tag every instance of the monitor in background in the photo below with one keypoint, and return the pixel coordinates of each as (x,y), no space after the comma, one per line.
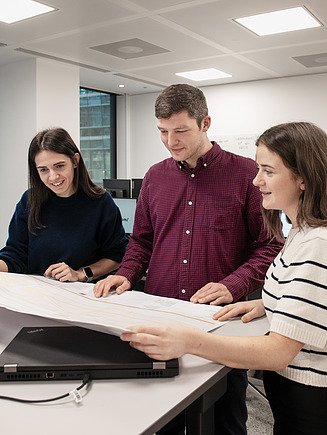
(127,208)
(118,188)
(136,187)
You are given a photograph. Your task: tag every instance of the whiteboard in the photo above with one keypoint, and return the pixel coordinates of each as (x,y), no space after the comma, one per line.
(241,144)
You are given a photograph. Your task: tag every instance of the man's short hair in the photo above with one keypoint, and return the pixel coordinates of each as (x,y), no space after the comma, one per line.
(181,97)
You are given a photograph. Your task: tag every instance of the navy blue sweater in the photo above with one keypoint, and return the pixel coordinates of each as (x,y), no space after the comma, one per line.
(79,231)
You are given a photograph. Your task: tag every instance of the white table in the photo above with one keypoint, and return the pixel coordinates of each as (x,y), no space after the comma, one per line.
(124,407)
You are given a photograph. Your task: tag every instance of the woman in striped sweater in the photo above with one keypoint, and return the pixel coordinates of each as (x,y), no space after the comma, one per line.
(292,176)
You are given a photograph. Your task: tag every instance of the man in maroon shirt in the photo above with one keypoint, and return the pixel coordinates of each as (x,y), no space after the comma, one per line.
(198,229)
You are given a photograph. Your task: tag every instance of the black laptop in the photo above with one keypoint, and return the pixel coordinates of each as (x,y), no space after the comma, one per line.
(70,352)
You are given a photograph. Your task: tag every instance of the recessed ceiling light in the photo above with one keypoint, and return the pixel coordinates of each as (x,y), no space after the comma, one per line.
(204,74)
(13,11)
(121,86)
(285,20)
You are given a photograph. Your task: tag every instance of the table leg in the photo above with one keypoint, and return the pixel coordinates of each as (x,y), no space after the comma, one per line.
(200,414)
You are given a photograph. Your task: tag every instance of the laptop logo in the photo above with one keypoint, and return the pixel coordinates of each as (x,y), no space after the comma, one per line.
(33,331)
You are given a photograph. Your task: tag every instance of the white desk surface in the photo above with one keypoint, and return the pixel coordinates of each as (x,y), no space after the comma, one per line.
(124,407)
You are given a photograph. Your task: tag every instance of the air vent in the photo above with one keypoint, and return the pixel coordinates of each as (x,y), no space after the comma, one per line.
(22,376)
(148,82)
(59,59)
(150,374)
(130,48)
(312,60)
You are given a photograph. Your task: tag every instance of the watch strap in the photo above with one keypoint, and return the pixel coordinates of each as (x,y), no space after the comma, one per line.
(88,273)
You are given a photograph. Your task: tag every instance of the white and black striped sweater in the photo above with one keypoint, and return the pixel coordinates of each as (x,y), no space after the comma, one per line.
(295,298)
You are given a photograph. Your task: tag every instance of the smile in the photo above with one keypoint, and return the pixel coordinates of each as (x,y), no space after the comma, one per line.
(59,183)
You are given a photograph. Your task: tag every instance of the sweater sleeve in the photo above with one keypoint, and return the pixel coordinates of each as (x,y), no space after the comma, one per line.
(15,253)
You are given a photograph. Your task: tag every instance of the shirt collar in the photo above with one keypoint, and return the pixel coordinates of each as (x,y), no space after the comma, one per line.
(203,161)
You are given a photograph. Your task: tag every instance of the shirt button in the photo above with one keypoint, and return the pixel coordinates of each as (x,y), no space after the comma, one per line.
(183,290)
(187,231)
(190,203)
(184,261)
(192,175)
(204,164)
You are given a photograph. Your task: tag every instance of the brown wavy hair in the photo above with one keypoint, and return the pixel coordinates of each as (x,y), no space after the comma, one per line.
(59,141)
(302,146)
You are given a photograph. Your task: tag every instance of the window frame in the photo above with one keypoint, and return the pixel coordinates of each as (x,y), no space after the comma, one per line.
(113,129)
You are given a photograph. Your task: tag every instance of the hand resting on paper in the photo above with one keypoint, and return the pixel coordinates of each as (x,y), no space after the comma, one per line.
(249,310)
(213,293)
(112,282)
(62,272)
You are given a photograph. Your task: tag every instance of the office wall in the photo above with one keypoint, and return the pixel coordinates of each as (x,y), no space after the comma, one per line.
(236,109)
(34,94)
(57,98)
(17,122)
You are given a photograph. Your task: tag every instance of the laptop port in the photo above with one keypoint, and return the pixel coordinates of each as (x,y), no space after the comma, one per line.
(49,375)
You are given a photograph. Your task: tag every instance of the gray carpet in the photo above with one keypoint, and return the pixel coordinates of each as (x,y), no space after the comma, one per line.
(260,419)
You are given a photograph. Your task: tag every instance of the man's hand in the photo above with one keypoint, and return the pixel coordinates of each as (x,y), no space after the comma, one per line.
(115,282)
(250,310)
(62,272)
(213,293)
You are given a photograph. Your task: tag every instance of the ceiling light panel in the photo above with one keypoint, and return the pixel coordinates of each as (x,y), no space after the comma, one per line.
(204,74)
(286,20)
(12,11)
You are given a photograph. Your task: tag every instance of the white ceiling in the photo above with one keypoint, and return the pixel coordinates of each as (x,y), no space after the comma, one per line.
(191,35)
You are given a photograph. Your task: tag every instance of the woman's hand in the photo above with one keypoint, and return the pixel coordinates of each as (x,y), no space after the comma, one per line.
(161,342)
(249,310)
(3,266)
(62,272)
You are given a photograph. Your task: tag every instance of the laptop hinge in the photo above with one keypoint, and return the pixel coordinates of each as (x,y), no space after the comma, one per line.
(10,368)
(159,365)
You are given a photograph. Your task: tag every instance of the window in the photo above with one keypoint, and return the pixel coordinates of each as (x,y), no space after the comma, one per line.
(98,133)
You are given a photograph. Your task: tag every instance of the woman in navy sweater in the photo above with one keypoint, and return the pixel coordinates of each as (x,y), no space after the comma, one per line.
(64,226)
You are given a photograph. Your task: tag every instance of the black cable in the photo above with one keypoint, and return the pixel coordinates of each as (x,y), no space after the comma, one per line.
(86,381)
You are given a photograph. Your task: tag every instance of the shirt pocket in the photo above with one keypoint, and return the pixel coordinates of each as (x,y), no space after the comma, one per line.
(220,213)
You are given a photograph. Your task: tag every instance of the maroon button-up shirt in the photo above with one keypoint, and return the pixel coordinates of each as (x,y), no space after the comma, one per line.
(194,226)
